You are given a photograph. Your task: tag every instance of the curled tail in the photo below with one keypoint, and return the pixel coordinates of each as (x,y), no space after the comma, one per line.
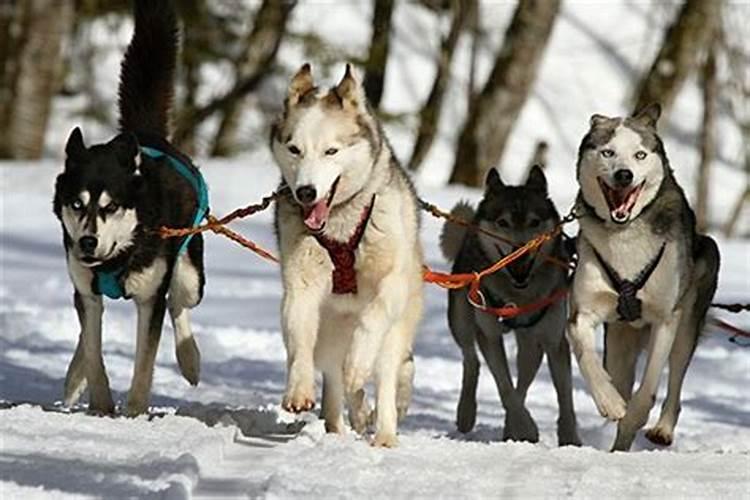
(452,236)
(147,71)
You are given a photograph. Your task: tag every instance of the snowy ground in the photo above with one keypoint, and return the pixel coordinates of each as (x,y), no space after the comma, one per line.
(260,451)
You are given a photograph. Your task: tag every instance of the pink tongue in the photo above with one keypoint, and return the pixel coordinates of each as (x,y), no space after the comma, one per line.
(316,216)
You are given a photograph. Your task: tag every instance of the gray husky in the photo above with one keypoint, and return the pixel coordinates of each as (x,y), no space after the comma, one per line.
(643,272)
(518,213)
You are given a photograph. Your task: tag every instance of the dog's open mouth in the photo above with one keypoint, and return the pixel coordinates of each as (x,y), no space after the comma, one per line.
(520,269)
(620,200)
(315,216)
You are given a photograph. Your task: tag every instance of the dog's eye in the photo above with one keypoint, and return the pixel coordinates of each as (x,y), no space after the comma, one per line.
(502,223)
(640,155)
(607,153)
(331,151)
(77,205)
(111,207)
(534,223)
(294,150)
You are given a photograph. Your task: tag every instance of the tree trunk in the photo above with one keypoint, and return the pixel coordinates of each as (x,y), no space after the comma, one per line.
(378,57)
(260,50)
(32,71)
(429,116)
(494,111)
(680,53)
(707,139)
(268,31)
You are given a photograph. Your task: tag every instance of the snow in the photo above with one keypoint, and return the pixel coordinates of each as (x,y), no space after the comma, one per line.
(228,437)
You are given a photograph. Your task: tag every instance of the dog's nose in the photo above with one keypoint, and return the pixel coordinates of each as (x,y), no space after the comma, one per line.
(88,244)
(306,194)
(623,177)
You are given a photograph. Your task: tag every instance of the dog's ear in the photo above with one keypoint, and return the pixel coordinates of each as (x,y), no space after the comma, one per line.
(598,120)
(301,84)
(649,115)
(128,150)
(537,180)
(348,94)
(493,181)
(75,148)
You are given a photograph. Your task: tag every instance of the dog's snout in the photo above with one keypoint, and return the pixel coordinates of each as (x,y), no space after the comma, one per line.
(623,177)
(306,194)
(88,244)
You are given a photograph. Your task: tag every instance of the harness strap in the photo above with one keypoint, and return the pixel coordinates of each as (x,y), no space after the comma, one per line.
(342,254)
(108,282)
(628,305)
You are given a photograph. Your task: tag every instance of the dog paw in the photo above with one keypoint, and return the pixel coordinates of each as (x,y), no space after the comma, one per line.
(136,406)
(189,360)
(660,436)
(568,439)
(466,416)
(609,402)
(360,415)
(101,405)
(384,440)
(519,426)
(299,399)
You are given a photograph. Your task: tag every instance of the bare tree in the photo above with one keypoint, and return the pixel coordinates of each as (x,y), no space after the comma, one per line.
(269,27)
(684,42)
(377,58)
(32,71)
(429,116)
(261,46)
(710,88)
(493,112)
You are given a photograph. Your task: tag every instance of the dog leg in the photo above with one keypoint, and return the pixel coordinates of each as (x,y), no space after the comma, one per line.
(184,293)
(405,386)
(622,345)
(75,378)
(386,413)
(679,359)
(150,319)
(300,323)
(529,359)
(464,331)
(558,357)
(90,310)
(582,337)
(333,398)
(519,426)
(660,345)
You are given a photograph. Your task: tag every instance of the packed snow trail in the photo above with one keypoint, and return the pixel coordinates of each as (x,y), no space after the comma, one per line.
(228,436)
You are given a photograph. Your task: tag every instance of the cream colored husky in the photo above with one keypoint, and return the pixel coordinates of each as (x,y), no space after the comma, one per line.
(351,259)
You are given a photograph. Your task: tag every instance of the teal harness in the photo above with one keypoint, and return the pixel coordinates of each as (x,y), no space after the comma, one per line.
(108,282)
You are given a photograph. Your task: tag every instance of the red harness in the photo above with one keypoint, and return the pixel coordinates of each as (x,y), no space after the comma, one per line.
(342,254)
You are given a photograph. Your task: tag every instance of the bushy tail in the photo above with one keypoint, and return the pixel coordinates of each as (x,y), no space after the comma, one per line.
(147,71)
(452,236)
(707,260)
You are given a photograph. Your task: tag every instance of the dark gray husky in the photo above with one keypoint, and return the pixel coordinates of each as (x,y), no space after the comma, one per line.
(112,198)
(518,213)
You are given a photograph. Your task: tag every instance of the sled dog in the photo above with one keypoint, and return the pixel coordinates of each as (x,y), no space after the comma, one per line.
(517,213)
(111,199)
(351,260)
(643,272)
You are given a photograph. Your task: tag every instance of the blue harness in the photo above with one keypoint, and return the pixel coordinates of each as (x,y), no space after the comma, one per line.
(108,282)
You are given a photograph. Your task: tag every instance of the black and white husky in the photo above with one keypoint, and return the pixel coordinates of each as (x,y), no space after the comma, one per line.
(643,272)
(111,200)
(518,213)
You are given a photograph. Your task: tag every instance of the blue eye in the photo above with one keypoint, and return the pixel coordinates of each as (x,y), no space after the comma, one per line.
(640,155)
(607,153)
(77,205)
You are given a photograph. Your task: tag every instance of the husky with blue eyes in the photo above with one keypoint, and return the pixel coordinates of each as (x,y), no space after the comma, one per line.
(643,272)
(111,200)
(351,260)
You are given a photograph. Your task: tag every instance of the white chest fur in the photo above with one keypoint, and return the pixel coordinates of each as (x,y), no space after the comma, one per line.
(145,283)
